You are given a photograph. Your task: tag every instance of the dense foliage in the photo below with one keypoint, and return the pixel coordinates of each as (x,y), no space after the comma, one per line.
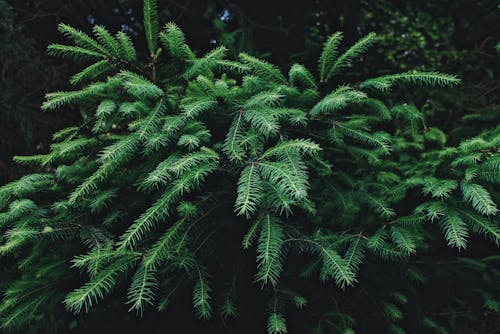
(183,161)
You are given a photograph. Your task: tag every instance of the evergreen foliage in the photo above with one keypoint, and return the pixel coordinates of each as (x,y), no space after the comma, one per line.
(181,148)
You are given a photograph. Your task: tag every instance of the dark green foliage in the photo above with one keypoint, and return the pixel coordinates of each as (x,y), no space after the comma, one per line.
(184,149)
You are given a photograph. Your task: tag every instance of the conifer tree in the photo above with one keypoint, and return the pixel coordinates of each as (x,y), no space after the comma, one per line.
(178,149)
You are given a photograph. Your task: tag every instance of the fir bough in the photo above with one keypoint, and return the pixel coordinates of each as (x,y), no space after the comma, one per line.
(181,151)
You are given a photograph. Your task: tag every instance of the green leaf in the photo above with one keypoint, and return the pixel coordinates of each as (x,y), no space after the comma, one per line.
(377,240)
(107,41)
(285,178)
(249,191)
(163,248)
(479,198)
(151,24)
(439,188)
(80,38)
(355,253)
(250,235)
(92,72)
(173,39)
(142,290)
(454,229)
(99,286)
(300,146)
(335,266)
(403,239)
(379,140)
(299,301)
(298,73)
(482,225)
(270,251)
(276,324)
(385,83)
(163,207)
(207,63)
(490,170)
(127,49)
(337,100)
(355,51)
(329,55)
(380,206)
(140,87)
(263,69)
(232,143)
(73,52)
(201,297)
(263,121)
(228,308)
(152,123)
